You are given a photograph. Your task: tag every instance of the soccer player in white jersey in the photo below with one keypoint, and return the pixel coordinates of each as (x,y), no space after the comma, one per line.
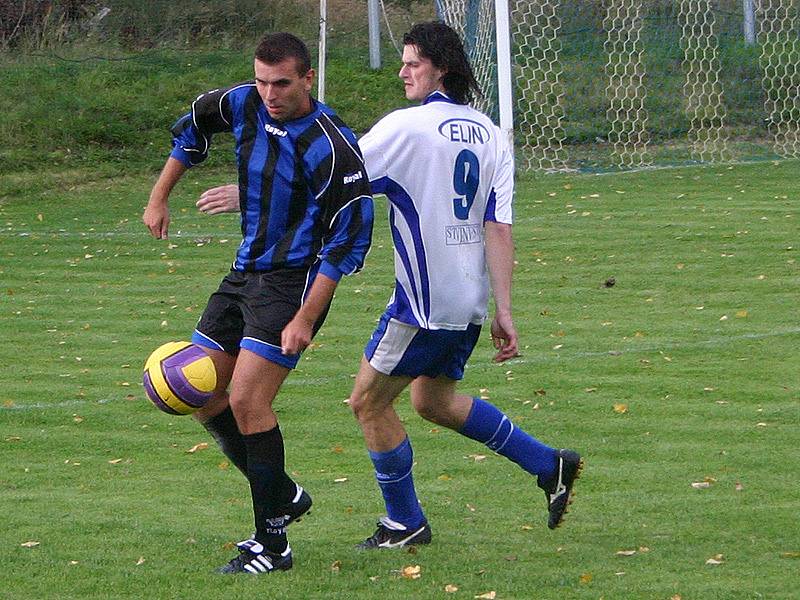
(447,172)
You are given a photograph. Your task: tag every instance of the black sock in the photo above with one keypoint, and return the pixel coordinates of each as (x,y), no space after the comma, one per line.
(225,432)
(269,486)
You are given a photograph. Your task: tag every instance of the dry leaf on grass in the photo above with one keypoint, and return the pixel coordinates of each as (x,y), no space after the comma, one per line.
(625,552)
(30,544)
(450,588)
(717,559)
(487,596)
(412,572)
(620,409)
(197,447)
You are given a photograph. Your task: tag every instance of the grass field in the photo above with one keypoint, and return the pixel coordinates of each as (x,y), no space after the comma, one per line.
(684,372)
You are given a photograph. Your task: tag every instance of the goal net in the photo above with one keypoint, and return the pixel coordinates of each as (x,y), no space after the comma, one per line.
(631,83)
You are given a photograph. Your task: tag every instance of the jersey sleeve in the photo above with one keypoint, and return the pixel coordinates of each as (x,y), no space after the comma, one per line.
(347,210)
(191,134)
(501,195)
(375,145)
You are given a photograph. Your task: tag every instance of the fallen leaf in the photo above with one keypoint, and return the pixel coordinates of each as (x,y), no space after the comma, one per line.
(412,572)
(197,447)
(790,554)
(477,457)
(625,552)
(717,559)
(620,409)
(586,578)
(699,485)
(470,508)
(337,564)
(738,487)
(450,588)
(30,544)
(340,480)
(444,477)
(115,461)
(140,561)
(487,596)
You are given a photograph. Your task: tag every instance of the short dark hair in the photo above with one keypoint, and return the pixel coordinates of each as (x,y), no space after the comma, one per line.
(441,45)
(277,47)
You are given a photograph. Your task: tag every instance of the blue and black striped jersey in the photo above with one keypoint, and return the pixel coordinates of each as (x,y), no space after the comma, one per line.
(303,191)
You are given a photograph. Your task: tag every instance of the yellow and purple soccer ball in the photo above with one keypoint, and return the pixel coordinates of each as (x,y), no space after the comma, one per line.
(179,378)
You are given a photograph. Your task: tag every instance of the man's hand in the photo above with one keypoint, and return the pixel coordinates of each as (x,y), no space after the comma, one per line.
(156,213)
(504,338)
(296,336)
(222,199)
(156,219)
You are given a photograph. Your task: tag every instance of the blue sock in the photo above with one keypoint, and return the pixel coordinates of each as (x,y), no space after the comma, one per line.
(486,424)
(393,472)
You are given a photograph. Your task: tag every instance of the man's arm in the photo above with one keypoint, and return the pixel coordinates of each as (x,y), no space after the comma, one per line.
(156,214)
(500,261)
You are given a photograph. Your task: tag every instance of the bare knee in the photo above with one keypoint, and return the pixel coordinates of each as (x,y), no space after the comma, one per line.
(364,405)
(430,410)
(447,410)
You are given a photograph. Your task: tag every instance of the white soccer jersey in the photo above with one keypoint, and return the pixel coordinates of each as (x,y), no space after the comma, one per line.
(446,169)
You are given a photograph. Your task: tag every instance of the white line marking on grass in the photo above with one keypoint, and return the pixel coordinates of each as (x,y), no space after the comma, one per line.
(72,403)
(111,234)
(545,357)
(51,405)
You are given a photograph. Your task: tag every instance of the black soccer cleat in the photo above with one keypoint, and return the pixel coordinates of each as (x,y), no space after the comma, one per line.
(255,559)
(558,489)
(299,506)
(391,534)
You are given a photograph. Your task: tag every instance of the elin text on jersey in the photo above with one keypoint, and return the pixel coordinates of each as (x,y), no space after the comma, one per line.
(464,131)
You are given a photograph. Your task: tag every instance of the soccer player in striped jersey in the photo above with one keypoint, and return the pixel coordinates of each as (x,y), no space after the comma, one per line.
(447,172)
(306,220)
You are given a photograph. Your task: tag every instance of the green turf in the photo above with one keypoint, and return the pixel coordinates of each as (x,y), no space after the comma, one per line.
(684,371)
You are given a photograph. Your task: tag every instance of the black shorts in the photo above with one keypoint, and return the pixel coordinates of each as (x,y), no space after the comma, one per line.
(250,309)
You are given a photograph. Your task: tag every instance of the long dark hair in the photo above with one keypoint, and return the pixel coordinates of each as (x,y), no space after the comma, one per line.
(440,44)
